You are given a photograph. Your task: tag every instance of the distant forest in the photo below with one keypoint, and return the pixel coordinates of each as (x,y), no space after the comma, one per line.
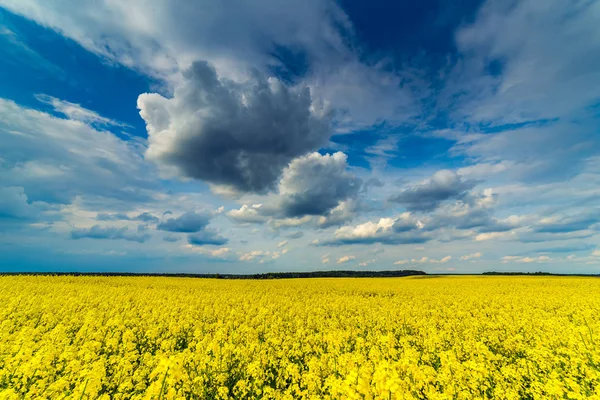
(268,275)
(290,275)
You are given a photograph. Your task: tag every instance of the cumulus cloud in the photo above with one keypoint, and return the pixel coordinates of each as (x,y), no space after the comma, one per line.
(314,188)
(109,232)
(315,184)
(238,135)
(344,212)
(431,193)
(188,222)
(403,229)
(248,214)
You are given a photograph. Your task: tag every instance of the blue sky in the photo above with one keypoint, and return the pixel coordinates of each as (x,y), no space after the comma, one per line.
(267,135)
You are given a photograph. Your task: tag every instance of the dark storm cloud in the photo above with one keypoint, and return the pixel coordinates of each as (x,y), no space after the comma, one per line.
(430,194)
(236,135)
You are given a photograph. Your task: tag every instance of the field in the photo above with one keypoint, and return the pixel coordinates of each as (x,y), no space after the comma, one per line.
(396,338)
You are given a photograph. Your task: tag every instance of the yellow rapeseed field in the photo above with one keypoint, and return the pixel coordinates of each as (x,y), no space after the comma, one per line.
(395,338)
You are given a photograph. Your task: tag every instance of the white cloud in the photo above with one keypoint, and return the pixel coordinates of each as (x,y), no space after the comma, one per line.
(263,255)
(399,230)
(248,214)
(54,160)
(76,112)
(424,260)
(345,259)
(251,255)
(526,260)
(471,256)
(495,236)
(546,52)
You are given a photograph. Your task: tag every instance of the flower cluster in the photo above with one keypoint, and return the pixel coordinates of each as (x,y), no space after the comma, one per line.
(394,338)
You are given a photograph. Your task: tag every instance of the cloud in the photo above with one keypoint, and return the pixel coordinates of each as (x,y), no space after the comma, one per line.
(400,230)
(237,36)
(568,248)
(248,214)
(171,238)
(54,159)
(519,259)
(495,235)
(206,236)
(295,235)
(221,252)
(188,222)
(308,41)
(546,53)
(344,212)
(366,263)
(260,254)
(281,244)
(315,184)
(471,256)
(99,232)
(236,135)
(144,217)
(424,260)
(344,259)
(311,186)
(537,108)
(473,211)
(566,224)
(76,112)
(14,204)
(431,193)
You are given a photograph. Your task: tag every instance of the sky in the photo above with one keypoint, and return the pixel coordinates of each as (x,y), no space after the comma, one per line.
(253,136)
